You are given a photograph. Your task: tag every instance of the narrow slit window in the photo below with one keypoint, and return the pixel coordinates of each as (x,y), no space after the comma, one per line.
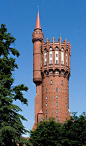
(66,112)
(51,82)
(62,82)
(46,90)
(56,118)
(46,97)
(56,96)
(65,97)
(56,89)
(56,111)
(65,90)
(46,111)
(56,103)
(46,104)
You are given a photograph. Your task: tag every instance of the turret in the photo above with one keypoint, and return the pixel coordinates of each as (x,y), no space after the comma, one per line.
(37,43)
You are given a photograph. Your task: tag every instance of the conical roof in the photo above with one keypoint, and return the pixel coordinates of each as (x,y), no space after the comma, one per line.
(38,25)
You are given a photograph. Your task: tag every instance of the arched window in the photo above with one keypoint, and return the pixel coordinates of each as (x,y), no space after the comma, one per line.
(50,56)
(66,58)
(45,56)
(62,55)
(51,72)
(56,72)
(57,48)
(56,57)
(62,73)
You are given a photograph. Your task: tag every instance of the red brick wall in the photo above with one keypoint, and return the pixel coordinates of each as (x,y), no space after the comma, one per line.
(43,81)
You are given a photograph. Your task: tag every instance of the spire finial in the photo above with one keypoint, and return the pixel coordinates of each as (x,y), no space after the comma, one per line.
(60,36)
(38,7)
(38,25)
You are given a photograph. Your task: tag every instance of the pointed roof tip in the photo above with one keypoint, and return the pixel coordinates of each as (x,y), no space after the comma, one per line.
(41,112)
(38,25)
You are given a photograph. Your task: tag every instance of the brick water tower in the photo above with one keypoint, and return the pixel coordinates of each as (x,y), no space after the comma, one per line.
(51,72)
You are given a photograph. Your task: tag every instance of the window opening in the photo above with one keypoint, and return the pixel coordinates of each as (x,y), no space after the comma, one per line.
(62,56)
(56,96)
(56,103)
(66,97)
(57,48)
(45,58)
(56,57)
(56,111)
(56,118)
(50,56)
(62,82)
(56,89)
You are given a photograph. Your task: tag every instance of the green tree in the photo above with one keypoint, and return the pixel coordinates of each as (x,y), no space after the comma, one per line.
(48,133)
(11,127)
(75,131)
(69,133)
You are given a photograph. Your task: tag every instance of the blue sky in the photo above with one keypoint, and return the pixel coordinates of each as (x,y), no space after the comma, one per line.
(67,17)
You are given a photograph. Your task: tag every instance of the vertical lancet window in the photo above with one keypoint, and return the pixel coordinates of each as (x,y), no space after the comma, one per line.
(66,59)
(56,118)
(46,104)
(56,96)
(56,89)
(56,111)
(50,56)
(51,82)
(62,56)
(45,57)
(56,56)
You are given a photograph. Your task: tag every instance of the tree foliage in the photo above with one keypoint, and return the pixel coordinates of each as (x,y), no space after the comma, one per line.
(70,133)
(11,127)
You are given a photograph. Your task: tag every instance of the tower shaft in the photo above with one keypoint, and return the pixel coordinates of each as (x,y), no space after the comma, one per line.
(51,72)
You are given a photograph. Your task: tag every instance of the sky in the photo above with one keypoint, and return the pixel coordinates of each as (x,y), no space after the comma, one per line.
(67,17)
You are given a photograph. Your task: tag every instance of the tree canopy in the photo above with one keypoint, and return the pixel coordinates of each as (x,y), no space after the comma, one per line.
(69,133)
(11,127)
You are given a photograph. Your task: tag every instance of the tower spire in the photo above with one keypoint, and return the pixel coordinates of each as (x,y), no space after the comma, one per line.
(38,25)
